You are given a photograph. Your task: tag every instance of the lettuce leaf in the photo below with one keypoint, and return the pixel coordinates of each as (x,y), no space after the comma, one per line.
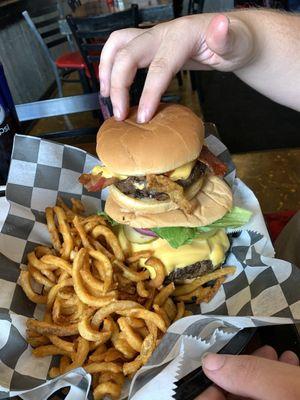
(236,218)
(111,221)
(178,236)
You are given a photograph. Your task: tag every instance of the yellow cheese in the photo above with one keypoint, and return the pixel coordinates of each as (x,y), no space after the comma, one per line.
(182,172)
(212,248)
(106,173)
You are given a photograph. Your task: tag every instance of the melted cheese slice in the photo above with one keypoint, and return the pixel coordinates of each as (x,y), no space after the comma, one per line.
(106,173)
(212,248)
(182,172)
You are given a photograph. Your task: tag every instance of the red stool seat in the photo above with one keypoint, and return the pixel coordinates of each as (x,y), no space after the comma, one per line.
(276,222)
(71,60)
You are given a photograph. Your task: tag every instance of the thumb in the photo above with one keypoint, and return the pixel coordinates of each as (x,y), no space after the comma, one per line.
(254,377)
(231,39)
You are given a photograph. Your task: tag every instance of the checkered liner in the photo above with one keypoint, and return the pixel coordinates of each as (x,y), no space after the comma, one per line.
(40,171)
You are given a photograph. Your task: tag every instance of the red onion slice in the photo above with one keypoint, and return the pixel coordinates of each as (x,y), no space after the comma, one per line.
(146,232)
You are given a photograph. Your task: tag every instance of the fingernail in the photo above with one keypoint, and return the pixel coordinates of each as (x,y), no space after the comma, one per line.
(117,113)
(142,116)
(213,362)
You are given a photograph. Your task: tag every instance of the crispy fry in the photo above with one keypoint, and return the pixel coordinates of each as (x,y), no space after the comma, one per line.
(135,322)
(111,389)
(118,378)
(37,341)
(165,292)
(149,302)
(98,246)
(64,229)
(147,349)
(45,328)
(170,308)
(26,286)
(65,361)
(212,291)
(133,338)
(112,354)
(48,350)
(187,313)
(103,367)
(79,288)
(160,311)
(189,287)
(138,255)
(146,315)
(141,290)
(38,263)
(111,240)
(159,268)
(124,347)
(87,332)
(69,213)
(180,310)
(131,274)
(198,294)
(58,262)
(106,266)
(62,344)
(77,206)
(83,236)
(54,235)
(112,308)
(54,372)
(55,289)
(80,355)
(39,277)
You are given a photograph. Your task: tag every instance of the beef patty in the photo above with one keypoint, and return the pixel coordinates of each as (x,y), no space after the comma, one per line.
(190,271)
(135,186)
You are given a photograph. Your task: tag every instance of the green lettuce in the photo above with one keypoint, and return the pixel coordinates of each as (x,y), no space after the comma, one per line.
(111,221)
(178,236)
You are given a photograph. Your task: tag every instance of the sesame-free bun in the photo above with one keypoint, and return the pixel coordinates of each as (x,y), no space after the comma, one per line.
(172,138)
(212,202)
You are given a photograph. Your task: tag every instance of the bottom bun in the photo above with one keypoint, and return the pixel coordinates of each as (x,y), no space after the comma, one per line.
(211,203)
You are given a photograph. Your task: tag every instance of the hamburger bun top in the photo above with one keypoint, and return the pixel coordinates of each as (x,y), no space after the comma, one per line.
(213,201)
(171,139)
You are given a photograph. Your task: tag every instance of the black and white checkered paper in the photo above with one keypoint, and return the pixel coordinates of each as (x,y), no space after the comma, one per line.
(42,170)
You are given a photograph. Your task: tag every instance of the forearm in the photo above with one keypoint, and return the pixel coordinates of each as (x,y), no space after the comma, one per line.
(274,69)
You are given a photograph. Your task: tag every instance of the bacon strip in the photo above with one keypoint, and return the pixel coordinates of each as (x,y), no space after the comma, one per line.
(95,183)
(163,184)
(208,158)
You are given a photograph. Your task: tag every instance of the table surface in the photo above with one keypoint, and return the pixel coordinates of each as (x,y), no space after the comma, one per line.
(94,7)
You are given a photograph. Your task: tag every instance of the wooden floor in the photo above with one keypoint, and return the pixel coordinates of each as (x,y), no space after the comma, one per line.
(273,175)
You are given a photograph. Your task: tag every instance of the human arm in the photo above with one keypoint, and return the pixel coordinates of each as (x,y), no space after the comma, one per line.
(261,47)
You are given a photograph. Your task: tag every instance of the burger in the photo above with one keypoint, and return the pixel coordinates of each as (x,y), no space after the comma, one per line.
(166,191)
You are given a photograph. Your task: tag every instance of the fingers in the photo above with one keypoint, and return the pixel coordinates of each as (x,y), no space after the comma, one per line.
(116,41)
(218,37)
(266,352)
(138,53)
(254,377)
(289,357)
(165,64)
(230,41)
